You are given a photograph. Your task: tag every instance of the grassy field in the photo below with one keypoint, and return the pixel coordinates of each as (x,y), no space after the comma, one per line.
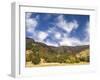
(29,64)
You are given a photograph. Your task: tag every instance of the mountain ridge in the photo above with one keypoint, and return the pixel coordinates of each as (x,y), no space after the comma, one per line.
(37,52)
(75,49)
(32,40)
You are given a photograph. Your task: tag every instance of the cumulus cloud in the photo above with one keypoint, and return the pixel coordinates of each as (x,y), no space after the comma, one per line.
(41,36)
(65,25)
(87,32)
(31,23)
(48,42)
(56,37)
(56,33)
(28,15)
(71,42)
(65,40)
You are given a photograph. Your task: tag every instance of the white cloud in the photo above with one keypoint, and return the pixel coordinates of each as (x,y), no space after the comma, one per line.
(41,36)
(37,17)
(51,44)
(31,23)
(60,18)
(55,32)
(87,32)
(28,15)
(64,40)
(71,42)
(65,25)
(30,30)
(57,35)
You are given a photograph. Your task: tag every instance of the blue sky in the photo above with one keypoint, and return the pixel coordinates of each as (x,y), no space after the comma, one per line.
(58,29)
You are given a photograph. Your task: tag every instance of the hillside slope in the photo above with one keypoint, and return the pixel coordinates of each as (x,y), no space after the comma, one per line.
(37,53)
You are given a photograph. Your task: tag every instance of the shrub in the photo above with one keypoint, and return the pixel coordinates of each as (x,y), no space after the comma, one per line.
(61,59)
(84,56)
(72,59)
(50,59)
(84,59)
(28,57)
(77,60)
(35,56)
(68,61)
(35,59)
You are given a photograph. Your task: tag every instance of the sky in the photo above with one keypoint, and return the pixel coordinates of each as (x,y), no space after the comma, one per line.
(58,29)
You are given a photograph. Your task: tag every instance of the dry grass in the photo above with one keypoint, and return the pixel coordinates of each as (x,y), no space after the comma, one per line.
(29,64)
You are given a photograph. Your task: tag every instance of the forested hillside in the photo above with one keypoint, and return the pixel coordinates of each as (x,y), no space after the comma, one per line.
(38,53)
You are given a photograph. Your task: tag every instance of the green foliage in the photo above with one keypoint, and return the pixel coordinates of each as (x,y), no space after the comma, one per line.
(84,56)
(35,56)
(61,60)
(35,59)
(28,46)
(28,57)
(56,55)
(72,59)
(50,58)
(77,60)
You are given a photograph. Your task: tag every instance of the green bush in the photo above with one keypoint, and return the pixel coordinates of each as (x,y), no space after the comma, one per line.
(72,59)
(35,60)
(68,61)
(84,59)
(28,57)
(35,56)
(77,60)
(84,56)
(61,59)
(50,58)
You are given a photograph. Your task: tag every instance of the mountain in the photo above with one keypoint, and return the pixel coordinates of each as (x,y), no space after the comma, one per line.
(68,49)
(59,54)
